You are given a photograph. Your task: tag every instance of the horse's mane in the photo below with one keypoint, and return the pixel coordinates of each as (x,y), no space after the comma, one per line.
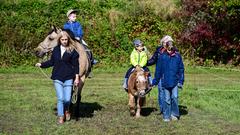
(51,31)
(132,79)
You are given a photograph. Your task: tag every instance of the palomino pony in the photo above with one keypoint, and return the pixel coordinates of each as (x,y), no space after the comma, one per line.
(51,41)
(137,87)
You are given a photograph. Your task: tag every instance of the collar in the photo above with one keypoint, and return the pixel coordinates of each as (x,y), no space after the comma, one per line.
(162,50)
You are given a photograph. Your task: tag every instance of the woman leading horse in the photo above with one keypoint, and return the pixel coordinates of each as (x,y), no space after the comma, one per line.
(51,41)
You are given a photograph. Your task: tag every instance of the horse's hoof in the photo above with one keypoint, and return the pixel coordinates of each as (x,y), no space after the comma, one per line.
(132,114)
(137,116)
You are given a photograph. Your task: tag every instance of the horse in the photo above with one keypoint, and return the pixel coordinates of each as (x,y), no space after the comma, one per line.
(85,66)
(138,86)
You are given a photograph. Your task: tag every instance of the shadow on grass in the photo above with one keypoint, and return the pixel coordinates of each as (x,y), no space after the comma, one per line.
(183,110)
(85,110)
(147,111)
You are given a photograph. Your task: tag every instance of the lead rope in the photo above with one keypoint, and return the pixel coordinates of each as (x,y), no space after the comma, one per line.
(75,88)
(74,94)
(44,73)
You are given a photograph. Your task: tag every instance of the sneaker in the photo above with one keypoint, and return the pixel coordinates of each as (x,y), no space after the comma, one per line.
(94,62)
(125,84)
(67,115)
(174,118)
(60,120)
(166,120)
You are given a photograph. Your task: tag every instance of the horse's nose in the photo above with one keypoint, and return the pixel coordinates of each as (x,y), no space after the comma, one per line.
(37,53)
(142,93)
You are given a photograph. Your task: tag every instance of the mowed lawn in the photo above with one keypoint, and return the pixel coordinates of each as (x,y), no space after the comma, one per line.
(209,104)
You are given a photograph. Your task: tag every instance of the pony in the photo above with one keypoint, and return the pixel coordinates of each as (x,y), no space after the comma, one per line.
(85,66)
(138,86)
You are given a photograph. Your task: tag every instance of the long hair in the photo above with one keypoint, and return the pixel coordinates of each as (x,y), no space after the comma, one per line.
(69,47)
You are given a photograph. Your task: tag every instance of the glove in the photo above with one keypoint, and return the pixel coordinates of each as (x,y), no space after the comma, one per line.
(180,86)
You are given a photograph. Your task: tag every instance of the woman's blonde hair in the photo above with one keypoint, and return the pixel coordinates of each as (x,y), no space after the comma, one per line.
(69,47)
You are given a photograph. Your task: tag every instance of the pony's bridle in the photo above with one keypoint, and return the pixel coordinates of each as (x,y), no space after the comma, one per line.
(140,91)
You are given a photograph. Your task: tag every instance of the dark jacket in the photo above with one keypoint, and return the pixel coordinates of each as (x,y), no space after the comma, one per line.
(64,68)
(153,59)
(169,69)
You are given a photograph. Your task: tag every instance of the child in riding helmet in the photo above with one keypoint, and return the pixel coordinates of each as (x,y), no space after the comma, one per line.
(74,26)
(76,30)
(138,58)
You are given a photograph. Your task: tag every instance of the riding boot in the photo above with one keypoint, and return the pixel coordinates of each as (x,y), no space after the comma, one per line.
(90,75)
(67,115)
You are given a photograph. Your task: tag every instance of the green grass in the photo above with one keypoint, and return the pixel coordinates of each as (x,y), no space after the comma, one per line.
(209,105)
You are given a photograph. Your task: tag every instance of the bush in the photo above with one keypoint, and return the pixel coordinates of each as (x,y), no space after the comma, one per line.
(109,27)
(212,30)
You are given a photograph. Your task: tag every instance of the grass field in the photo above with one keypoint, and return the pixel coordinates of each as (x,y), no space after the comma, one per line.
(209,104)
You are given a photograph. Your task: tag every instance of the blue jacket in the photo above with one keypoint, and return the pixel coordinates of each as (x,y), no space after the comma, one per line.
(64,68)
(169,69)
(74,27)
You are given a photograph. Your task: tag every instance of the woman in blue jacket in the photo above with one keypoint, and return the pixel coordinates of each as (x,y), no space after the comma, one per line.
(170,70)
(64,61)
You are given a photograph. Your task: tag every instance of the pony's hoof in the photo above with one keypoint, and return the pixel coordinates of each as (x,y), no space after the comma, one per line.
(132,113)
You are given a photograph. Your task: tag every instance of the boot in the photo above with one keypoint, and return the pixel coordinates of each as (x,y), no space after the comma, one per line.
(90,75)
(60,120)
(67,115)
(94,62)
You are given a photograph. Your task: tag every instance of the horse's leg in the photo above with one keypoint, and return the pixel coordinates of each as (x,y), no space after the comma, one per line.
(139,105)
(131,103)
(81,83)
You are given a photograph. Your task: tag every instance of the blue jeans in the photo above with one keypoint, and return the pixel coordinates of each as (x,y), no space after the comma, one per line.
(170,102)
(63,92)
(160,96)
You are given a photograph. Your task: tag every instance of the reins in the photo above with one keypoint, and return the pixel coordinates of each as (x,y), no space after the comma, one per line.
(74,94)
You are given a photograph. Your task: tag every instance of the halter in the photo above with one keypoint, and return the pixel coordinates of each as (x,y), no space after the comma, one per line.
(143,78)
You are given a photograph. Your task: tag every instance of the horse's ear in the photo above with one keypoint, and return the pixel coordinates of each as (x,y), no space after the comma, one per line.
(54,28)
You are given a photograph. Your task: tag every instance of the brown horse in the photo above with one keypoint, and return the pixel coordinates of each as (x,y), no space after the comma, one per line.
(51,41)
(137,87)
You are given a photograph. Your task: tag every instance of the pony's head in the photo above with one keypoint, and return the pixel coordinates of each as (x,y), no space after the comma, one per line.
(49,42)
(141,82)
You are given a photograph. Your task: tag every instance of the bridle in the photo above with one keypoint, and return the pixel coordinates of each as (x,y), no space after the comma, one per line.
(138,93)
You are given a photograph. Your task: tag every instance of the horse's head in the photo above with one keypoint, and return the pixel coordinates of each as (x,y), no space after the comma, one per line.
(49,42)
(141,83)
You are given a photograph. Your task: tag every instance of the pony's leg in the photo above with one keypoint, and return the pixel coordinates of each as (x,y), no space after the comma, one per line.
(131,103)
(139,105)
